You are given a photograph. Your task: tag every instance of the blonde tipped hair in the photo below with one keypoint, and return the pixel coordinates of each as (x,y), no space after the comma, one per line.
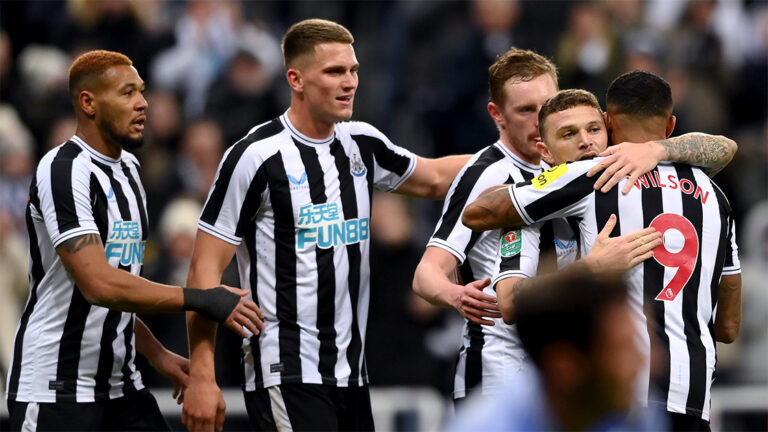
(303,36)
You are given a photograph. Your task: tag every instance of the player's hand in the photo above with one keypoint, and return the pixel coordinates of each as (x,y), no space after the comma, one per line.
(476,305)
(204,407)
(175,368)
(626,160)
(246,313)
(619,254)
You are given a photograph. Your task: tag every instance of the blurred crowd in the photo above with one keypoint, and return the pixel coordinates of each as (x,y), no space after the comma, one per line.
(214,70)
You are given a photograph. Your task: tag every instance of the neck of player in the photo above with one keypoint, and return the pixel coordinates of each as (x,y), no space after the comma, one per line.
(96,140)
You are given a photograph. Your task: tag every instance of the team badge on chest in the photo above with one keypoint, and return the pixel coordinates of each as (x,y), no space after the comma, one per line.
(356,166)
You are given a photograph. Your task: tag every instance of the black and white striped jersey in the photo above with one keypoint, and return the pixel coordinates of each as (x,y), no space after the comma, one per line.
(490,354)
(299,210)
(65,348)
(674,295)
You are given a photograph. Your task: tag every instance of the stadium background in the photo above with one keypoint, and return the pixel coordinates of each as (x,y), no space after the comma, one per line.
(213,70)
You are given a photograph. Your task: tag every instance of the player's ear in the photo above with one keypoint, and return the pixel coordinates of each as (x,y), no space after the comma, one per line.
(544,152)
(87,102)
(295,80)
(495,112)
(671,121)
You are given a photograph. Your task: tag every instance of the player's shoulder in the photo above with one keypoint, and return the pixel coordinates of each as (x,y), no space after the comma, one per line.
(355,127)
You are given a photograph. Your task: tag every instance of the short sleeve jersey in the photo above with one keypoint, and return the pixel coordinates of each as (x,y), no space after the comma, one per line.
(67,350)
(489,355)
(674,294)
(298,209)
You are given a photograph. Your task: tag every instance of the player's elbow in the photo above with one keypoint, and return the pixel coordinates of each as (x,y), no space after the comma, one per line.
(731,147)
(474,218)
(727,332)
(508,316)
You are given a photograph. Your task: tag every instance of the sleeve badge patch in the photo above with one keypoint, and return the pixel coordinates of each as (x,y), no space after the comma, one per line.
(511,243)
(549,176)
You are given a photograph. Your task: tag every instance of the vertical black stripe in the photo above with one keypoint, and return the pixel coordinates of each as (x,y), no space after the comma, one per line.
(385,157)
(37,272)
(326,273)
(607,204)
(692,210)
(246,227)
(126,369)
(547,252)
(527,176)
(61,187)
(349,206)
(463,188)
(220,186)
(69,348)
(653,282)
(106,354)
(473,372)
(285,266)
(112,320)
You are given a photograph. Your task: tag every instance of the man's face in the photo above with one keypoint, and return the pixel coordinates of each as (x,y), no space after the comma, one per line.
(121,107)
(616,358)
(330,81)
(573,134)
(518,119)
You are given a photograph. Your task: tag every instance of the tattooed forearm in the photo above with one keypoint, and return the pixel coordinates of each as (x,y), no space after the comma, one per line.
(492,209)
(711,152)
(75,244)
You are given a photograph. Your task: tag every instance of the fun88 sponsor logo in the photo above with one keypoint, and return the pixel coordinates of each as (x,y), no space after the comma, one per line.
(125,243)
(321,224)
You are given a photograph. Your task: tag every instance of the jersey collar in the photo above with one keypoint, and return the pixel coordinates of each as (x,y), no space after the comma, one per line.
(303,138)
(79,141)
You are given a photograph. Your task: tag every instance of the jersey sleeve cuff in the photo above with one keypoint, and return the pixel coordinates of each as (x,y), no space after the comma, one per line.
(506,275)
(731,271)
(520,209)
(406,176)
(217,232)
(61,237)
(442,244)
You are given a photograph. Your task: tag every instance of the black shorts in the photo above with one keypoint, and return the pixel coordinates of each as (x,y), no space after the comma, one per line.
(137,411)
(302,407)
(686,422)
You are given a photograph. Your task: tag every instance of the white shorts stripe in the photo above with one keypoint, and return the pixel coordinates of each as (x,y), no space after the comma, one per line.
(30,417)
(279,411)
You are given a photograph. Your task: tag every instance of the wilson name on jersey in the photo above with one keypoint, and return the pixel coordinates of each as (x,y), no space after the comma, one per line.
(299,209)
(673,294)
(67,349)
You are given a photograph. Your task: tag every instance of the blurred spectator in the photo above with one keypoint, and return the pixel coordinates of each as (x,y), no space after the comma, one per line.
(43,71)
(206,38)
(126,26)
(192,171)
(401,323)
(588,55)
(62,130)
(245,95)
(579,331)
(16,165)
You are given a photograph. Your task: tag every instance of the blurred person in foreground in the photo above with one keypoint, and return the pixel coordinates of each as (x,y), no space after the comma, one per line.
(73,358)
(293,199)
(577,327)
(694,272)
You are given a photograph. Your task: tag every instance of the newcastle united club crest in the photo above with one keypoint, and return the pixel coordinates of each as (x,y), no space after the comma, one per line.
(356,166)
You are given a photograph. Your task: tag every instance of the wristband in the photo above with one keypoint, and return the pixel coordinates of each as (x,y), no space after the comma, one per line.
(215,304)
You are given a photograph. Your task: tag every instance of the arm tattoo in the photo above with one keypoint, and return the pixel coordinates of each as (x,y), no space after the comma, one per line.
(75,244)
(711,153)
